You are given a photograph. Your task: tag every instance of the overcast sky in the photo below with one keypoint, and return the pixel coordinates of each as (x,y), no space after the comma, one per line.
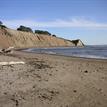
(71,19)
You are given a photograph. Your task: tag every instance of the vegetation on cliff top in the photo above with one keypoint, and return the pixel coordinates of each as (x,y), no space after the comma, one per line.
(42,32)
(25,29)
(1,25)
(28,29)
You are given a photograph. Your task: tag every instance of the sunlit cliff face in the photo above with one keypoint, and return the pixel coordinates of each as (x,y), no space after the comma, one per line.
(19,39)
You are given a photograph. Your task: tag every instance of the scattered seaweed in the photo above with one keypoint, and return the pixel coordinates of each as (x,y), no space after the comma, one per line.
(39,64)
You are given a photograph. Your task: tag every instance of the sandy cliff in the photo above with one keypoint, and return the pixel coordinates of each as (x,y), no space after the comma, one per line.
(19,39)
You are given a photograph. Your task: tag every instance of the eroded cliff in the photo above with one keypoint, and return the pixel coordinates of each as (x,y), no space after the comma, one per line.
(19,39)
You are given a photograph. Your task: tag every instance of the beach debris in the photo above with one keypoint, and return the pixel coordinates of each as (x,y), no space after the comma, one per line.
(39,64)
(74,91)
(85,71)
(16,101)
(12,63)
(7,50)
(47,94)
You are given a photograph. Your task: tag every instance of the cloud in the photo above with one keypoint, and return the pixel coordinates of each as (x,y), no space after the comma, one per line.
(72,23)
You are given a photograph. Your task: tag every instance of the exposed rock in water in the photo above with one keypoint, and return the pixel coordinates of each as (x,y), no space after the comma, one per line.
(19,39)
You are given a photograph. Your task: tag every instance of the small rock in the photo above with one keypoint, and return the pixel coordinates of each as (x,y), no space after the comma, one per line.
(85,71)
(74,91)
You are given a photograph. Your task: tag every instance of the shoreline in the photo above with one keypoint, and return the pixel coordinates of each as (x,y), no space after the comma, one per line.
(52,81)
(68,53)
(82,58)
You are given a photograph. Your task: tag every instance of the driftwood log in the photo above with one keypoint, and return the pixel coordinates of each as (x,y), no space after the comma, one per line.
(8,50)
(12,63)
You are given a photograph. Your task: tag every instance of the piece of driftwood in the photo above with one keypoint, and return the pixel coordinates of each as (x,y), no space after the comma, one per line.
(8,50)
(12,63)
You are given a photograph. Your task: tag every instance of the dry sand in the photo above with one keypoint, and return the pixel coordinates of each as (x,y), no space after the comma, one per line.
(52,81)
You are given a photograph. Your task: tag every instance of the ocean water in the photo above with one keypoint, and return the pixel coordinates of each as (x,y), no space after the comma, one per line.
(93,51)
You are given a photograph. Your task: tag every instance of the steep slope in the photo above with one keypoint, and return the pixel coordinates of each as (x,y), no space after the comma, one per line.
(19,39)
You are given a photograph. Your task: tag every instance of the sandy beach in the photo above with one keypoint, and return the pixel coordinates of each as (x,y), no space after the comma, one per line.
(52,81)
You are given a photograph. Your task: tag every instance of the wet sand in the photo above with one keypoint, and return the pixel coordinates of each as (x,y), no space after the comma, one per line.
(52,81)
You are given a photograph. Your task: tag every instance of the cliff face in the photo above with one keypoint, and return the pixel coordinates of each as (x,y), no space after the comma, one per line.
(19,39)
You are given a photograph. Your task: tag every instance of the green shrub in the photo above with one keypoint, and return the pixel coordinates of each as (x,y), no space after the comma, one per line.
(42,32)
(25,29)
(54,35)
(2,26)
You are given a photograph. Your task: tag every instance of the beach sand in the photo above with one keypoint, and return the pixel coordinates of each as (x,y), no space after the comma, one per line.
(52,81)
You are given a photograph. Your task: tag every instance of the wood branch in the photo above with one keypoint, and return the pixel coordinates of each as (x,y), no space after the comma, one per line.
(12,63)
(8,50)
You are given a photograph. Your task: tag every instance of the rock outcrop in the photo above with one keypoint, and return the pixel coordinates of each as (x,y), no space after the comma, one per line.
(19,39)
(78,42)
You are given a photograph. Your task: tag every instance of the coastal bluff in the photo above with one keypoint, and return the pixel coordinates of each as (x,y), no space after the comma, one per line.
(20,39)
